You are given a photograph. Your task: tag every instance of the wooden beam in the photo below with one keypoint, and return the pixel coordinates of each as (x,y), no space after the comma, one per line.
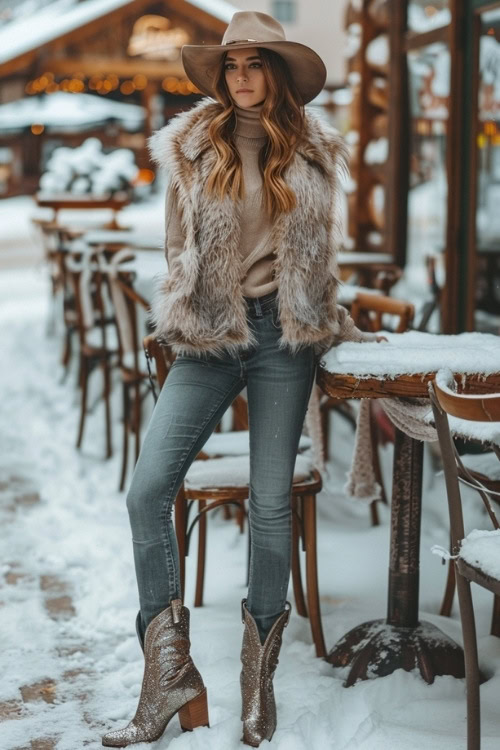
(122,67)
(398,164)
(414,40)
(451,302)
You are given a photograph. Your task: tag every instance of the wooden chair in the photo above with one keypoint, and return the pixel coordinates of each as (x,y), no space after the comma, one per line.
(468,567)
(194,492)
(96,334)
(371,313)
(136,379)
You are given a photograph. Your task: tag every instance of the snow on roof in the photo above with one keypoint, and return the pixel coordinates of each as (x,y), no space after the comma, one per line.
(64,110)
(24,35)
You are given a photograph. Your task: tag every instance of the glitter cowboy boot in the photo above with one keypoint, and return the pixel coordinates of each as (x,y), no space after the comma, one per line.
(258,712)
(171,683)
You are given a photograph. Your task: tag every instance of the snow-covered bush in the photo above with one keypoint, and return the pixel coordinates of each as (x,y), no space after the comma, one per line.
(88,169)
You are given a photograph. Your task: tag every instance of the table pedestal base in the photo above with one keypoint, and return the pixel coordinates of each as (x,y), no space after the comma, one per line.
(376,649)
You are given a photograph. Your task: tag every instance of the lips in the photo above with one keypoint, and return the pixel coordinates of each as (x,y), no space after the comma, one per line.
(244,91)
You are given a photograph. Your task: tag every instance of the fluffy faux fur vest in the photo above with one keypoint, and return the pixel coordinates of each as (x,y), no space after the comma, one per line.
(200,305)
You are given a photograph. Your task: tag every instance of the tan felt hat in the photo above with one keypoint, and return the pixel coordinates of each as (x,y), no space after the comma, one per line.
(251,29)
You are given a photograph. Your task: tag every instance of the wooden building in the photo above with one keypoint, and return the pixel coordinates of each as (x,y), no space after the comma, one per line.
(127,50)
(426,147)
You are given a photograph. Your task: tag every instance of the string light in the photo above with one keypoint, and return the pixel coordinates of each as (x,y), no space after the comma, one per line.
(37,129)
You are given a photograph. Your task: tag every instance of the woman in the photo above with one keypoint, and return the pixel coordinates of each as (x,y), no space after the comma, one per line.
(249,301)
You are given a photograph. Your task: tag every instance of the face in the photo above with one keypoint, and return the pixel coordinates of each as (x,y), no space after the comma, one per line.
(245,78)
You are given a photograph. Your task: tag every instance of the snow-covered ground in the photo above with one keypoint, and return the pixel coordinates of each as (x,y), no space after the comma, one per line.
(70,662)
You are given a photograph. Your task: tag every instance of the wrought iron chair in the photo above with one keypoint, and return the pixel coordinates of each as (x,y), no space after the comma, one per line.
(472,553)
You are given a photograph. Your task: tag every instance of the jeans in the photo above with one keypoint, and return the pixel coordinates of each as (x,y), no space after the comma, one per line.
(196,394)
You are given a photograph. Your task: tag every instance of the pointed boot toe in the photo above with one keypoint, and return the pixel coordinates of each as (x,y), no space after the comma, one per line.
(171,682)
(259,662)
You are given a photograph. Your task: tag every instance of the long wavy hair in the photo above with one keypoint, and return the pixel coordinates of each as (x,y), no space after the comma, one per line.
(282,117)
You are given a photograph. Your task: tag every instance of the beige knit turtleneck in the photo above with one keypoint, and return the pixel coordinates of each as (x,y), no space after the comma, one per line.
(255,253)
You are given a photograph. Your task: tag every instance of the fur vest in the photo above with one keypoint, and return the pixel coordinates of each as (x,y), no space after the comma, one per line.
(200,306)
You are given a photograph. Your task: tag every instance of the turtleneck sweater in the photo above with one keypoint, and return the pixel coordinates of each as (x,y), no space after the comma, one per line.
(255,253)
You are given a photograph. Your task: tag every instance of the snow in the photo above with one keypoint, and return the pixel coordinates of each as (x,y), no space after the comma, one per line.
(62,517)
(233,471)
(377,151)
(237,443)
(420,21)
(59,18)
(377,51)
(414,352)
(482,550)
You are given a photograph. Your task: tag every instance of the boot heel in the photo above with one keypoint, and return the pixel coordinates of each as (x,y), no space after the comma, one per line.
(194,713)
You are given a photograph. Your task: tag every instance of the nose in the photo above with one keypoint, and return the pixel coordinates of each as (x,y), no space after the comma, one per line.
(241,77)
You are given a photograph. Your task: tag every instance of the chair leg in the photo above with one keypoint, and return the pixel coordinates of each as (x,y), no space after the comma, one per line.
(471,663)
(325,424)
(180,532)
(202,547)
(240,516)
(449,592)
(298,591)
(125,417)
(83,379)
(495,620)
(107,406)
(137,419)
(309,514)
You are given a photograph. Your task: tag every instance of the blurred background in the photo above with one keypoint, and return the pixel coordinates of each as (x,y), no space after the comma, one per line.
(414,86)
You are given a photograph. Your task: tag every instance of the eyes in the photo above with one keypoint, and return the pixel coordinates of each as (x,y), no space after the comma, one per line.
(232,66)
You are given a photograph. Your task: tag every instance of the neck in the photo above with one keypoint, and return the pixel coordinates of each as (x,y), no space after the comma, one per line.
(248,122)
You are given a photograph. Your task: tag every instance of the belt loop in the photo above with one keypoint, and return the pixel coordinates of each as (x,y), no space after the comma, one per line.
(258,308)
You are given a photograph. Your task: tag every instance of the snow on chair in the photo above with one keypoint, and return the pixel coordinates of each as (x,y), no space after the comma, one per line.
(476,556)
(224,481)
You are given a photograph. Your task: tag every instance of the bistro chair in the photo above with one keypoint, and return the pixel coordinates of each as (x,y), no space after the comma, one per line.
(136,379)
(96,333)
(472,555)
(372,313)
(224,481)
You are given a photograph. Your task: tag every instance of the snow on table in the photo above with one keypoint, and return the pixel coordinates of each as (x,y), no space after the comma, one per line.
(415,353)
(482,550)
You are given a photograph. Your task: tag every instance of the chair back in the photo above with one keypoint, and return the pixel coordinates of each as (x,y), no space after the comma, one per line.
(469,407)
(162,355)
(82,272)
(368,311)
(126,302)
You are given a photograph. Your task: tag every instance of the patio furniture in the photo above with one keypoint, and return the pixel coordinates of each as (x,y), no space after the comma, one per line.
(96,333)
(371,313)
(57,202)
(408,363)
(136,379)
(476,557)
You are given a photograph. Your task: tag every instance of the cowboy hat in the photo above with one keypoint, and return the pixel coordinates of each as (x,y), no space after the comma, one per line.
(251,29)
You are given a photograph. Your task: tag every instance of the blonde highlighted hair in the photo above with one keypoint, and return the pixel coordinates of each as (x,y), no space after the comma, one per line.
(282,117)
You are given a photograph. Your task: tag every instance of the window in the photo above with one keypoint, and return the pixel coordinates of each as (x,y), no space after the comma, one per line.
(284,11)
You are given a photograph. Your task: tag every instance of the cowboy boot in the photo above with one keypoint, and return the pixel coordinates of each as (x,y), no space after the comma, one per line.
(171,683)
(259,662)
(139,630)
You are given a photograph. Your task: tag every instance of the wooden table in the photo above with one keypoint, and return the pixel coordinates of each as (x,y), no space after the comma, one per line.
(57,202)
(378,647)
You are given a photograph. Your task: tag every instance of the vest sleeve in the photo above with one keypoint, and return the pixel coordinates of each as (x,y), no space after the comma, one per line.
(174,236)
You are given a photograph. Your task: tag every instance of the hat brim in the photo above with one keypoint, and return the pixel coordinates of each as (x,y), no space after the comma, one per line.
(308,70)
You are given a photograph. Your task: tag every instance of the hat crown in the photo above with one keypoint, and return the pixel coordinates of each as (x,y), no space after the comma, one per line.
(251,26)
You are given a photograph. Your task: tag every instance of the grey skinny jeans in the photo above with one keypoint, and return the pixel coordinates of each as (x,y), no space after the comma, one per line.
(196,394)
